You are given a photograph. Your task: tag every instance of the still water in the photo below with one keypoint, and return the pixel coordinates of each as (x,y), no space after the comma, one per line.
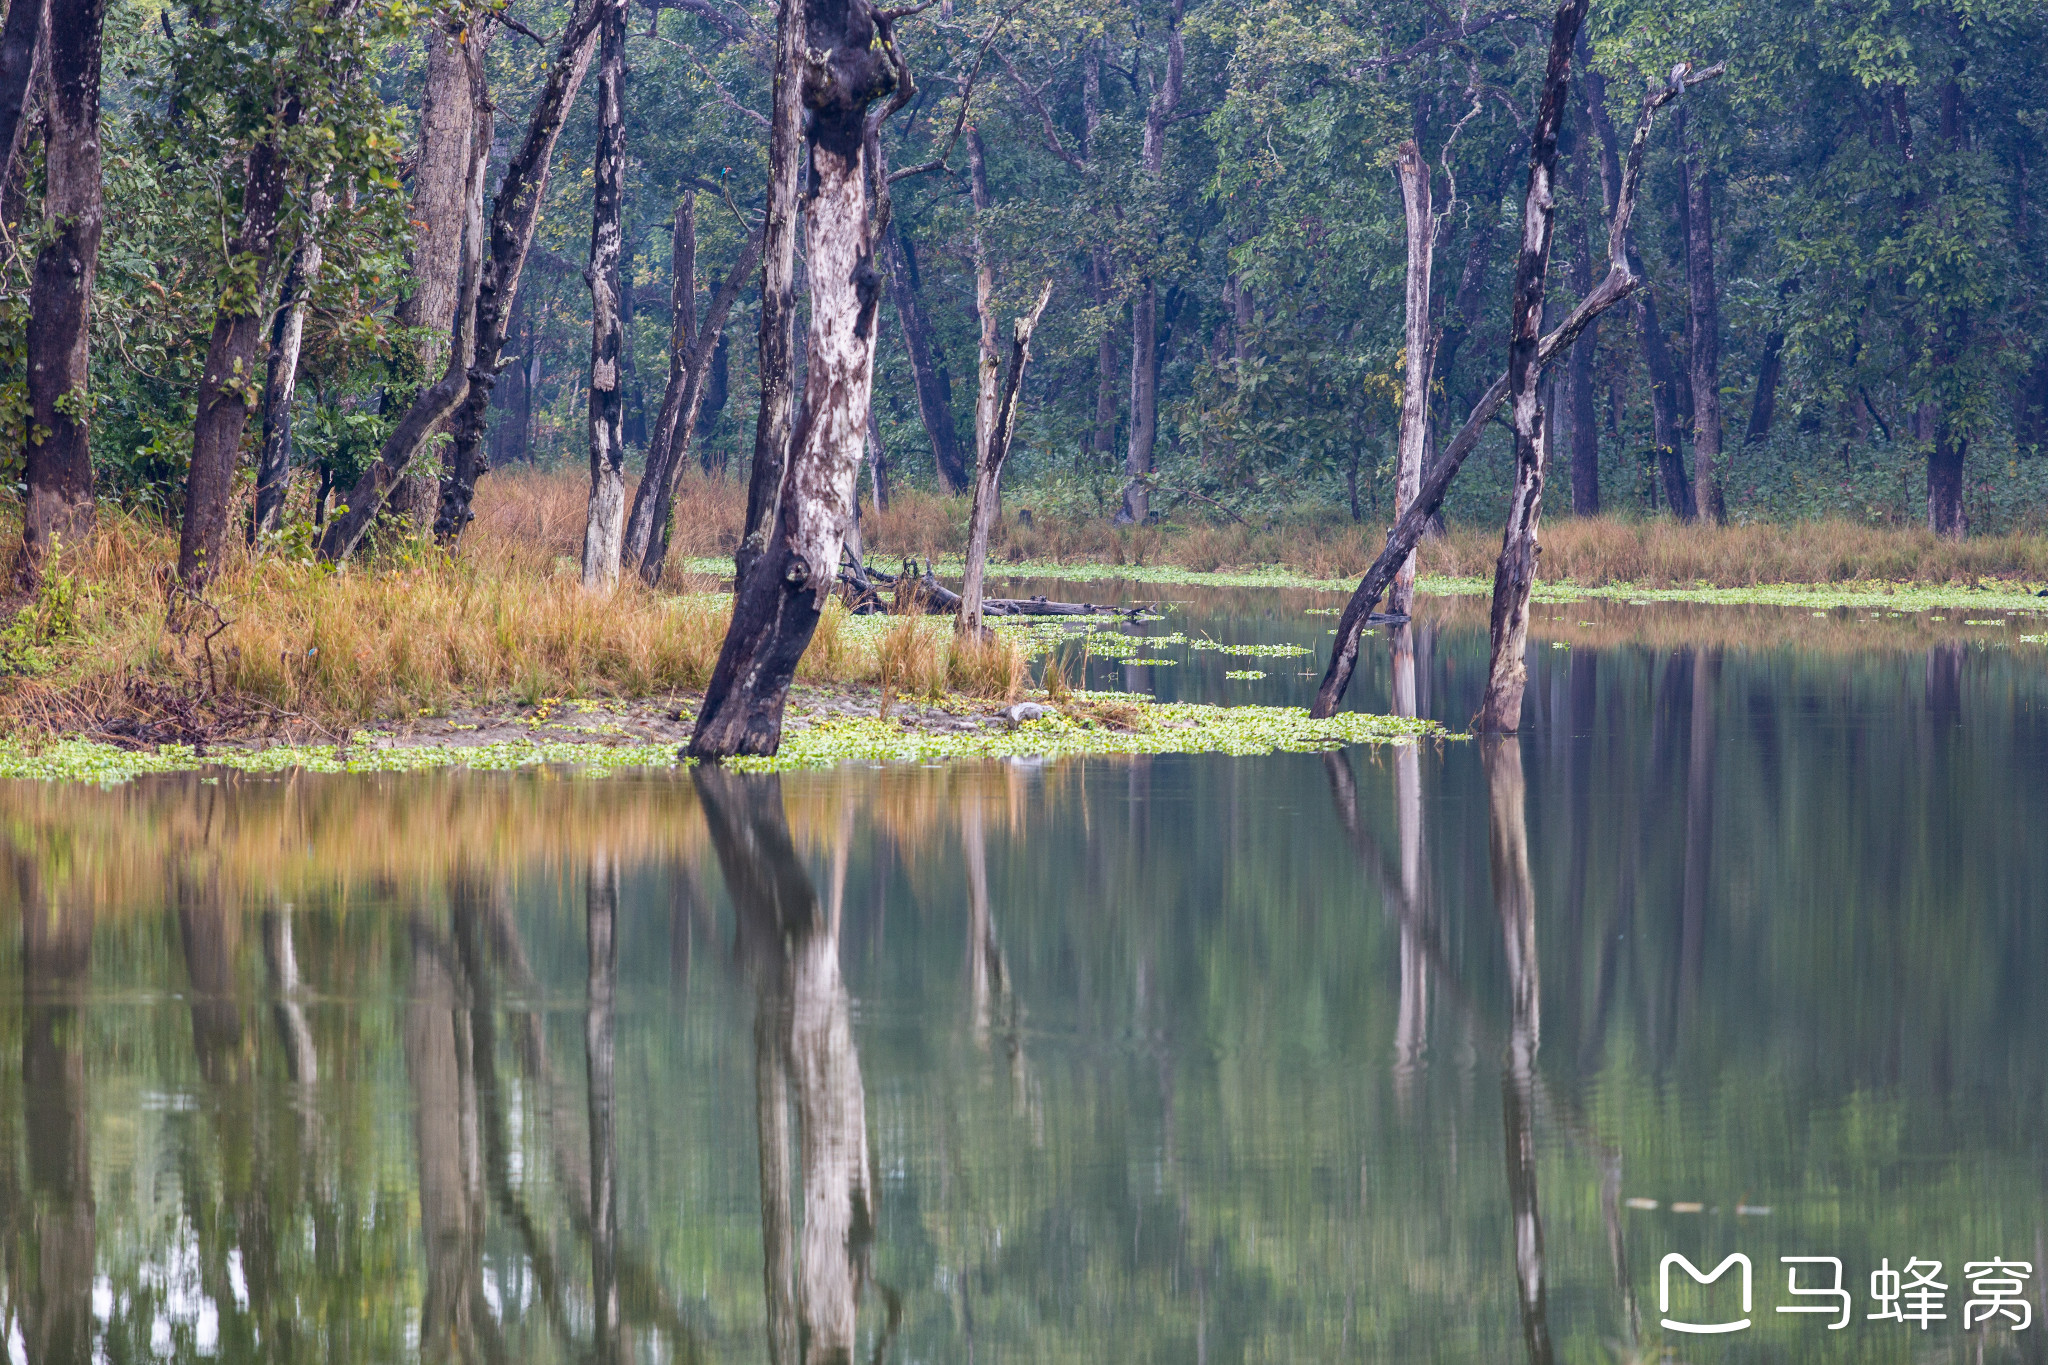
(1428,1053)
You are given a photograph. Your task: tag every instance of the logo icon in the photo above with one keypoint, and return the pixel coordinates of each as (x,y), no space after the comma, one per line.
(1664,1291)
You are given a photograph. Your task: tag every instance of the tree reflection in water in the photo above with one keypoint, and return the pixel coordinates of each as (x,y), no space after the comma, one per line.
(803,1038)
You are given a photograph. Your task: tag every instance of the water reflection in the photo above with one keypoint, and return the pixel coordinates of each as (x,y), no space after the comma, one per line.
(1161,1060)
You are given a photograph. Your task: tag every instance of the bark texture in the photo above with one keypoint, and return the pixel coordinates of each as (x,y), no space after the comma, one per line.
(20,34)
(514,214)
(989,359)
(1412,448)
(605,529)
(776,364)
(1500,710)
(58,508)
(927,365)
(1144,433)
(989,474)
(782,590)
(1705,302)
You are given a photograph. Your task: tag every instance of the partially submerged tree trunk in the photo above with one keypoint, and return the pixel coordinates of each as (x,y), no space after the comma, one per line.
(1619,283)
(604,531)
(514,214)
(691,348)
(1137,499)
(1704,300)
(1412,447)
(287,335)
(783,590)
(58,508)
(989,475)
(1515,575)
(775,362)
(927,365)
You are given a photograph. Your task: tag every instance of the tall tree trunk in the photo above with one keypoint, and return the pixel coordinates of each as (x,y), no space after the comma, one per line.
(647,531)
(1580,397)
(227,383)
(440,208)
(1413,445)
(1663,371)
(287,333)
(775,363)
(1411,524)
(510,435)
(1102,439)
(1705,303)
(783,591)
(1137,500)
(438,402)
(1500,711)
(58,509)
(988,370)
(989,473)
(604,531)
(1945,515)
(514,214)
(927,364)
(715,390)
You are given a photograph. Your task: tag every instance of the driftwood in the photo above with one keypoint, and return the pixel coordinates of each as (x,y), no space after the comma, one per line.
(920,590)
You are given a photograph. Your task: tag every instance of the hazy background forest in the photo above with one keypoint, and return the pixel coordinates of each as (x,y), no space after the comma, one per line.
(1863,183)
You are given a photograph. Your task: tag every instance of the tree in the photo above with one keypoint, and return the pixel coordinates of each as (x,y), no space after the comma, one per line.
(1137,498)
(782,589)
(58,508)
(604,532)
(988,481)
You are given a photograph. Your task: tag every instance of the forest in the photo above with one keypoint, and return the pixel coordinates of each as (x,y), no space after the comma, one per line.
(290,279)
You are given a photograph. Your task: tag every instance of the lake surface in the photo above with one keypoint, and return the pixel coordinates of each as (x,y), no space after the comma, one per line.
(1428,1053)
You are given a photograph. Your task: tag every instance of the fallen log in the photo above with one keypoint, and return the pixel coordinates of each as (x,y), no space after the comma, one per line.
(914,590)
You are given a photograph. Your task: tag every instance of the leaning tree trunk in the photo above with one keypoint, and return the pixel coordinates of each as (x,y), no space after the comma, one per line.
(691,349)
(287,335)
(58,509)
(604,531)
(1500,710)
(927,365)
(1137,503)
(1704,300)
(988,481)
(514,214)
(783,591)
(775,367)
(1413,445)
(1409,527)
(439,400)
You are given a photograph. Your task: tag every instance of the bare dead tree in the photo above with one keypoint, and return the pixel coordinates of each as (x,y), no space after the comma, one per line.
(1515,573)
(1413,443)
(1619,282)
(989,473)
